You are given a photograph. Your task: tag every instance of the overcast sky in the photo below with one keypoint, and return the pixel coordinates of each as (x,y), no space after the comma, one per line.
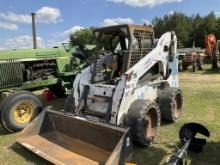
(56,19)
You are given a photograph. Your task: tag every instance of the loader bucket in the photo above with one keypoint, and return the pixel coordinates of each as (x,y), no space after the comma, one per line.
(64,139)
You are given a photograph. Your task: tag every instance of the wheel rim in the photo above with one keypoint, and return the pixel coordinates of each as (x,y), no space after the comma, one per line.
(177,106)
(151,124)
(23,112)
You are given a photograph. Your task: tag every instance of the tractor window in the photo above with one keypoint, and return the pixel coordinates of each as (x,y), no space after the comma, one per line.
(113,42)
(109,56)
(109,64)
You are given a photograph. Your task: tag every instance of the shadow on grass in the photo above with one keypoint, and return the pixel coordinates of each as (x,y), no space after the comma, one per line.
(210,155)
(211,71)
(27,155)
(3,131)
(141,156)
(57,103)
(207,69)
(165,123)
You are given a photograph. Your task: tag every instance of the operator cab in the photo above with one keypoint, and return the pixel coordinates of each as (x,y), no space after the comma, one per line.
(118,49)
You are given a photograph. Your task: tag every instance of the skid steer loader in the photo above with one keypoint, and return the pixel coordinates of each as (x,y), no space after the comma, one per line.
(130,85)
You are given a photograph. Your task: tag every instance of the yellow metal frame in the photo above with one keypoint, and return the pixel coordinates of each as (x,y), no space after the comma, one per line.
(23,112)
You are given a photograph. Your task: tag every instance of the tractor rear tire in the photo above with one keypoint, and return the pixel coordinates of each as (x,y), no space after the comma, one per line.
(3,124)
(143,118)
(19,109)
(70,104)
(58,90)
(171,104)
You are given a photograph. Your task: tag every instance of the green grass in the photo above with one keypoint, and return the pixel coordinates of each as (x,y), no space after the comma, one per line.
(201,104)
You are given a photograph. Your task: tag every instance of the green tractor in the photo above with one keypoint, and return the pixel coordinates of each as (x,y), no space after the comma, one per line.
(26,70)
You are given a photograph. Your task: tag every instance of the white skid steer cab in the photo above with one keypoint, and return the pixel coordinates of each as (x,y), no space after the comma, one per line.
(130,85)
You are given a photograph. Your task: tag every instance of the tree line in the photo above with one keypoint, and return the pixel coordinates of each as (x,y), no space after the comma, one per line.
(189,29)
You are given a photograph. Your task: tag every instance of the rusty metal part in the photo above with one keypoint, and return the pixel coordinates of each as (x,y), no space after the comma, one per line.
(178,104)
(152,121)
(188,138)
(64,139)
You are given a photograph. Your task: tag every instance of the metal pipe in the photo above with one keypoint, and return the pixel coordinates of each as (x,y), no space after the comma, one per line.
(34,31)
(177,158)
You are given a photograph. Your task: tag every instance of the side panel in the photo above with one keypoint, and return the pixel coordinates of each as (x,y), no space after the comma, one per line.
(64,65)
(174,77)
(117,99)
(10,74)
(81,79)
(130,95)
(34,68)
(29,74)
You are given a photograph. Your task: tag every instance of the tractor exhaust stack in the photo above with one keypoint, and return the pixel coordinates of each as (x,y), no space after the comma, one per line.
(33,15)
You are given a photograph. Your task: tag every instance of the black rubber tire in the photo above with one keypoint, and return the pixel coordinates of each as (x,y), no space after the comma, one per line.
(58,90)
(7,109)
(171,104)
(2,123)
(136,120)
(70,104)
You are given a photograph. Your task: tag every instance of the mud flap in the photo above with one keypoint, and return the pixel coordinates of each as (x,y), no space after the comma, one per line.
(63,139)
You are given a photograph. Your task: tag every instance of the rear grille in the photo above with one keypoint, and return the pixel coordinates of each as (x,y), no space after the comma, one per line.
(143,44)
(10,74)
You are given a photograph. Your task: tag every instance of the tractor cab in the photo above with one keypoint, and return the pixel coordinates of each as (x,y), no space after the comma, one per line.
(118,49)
